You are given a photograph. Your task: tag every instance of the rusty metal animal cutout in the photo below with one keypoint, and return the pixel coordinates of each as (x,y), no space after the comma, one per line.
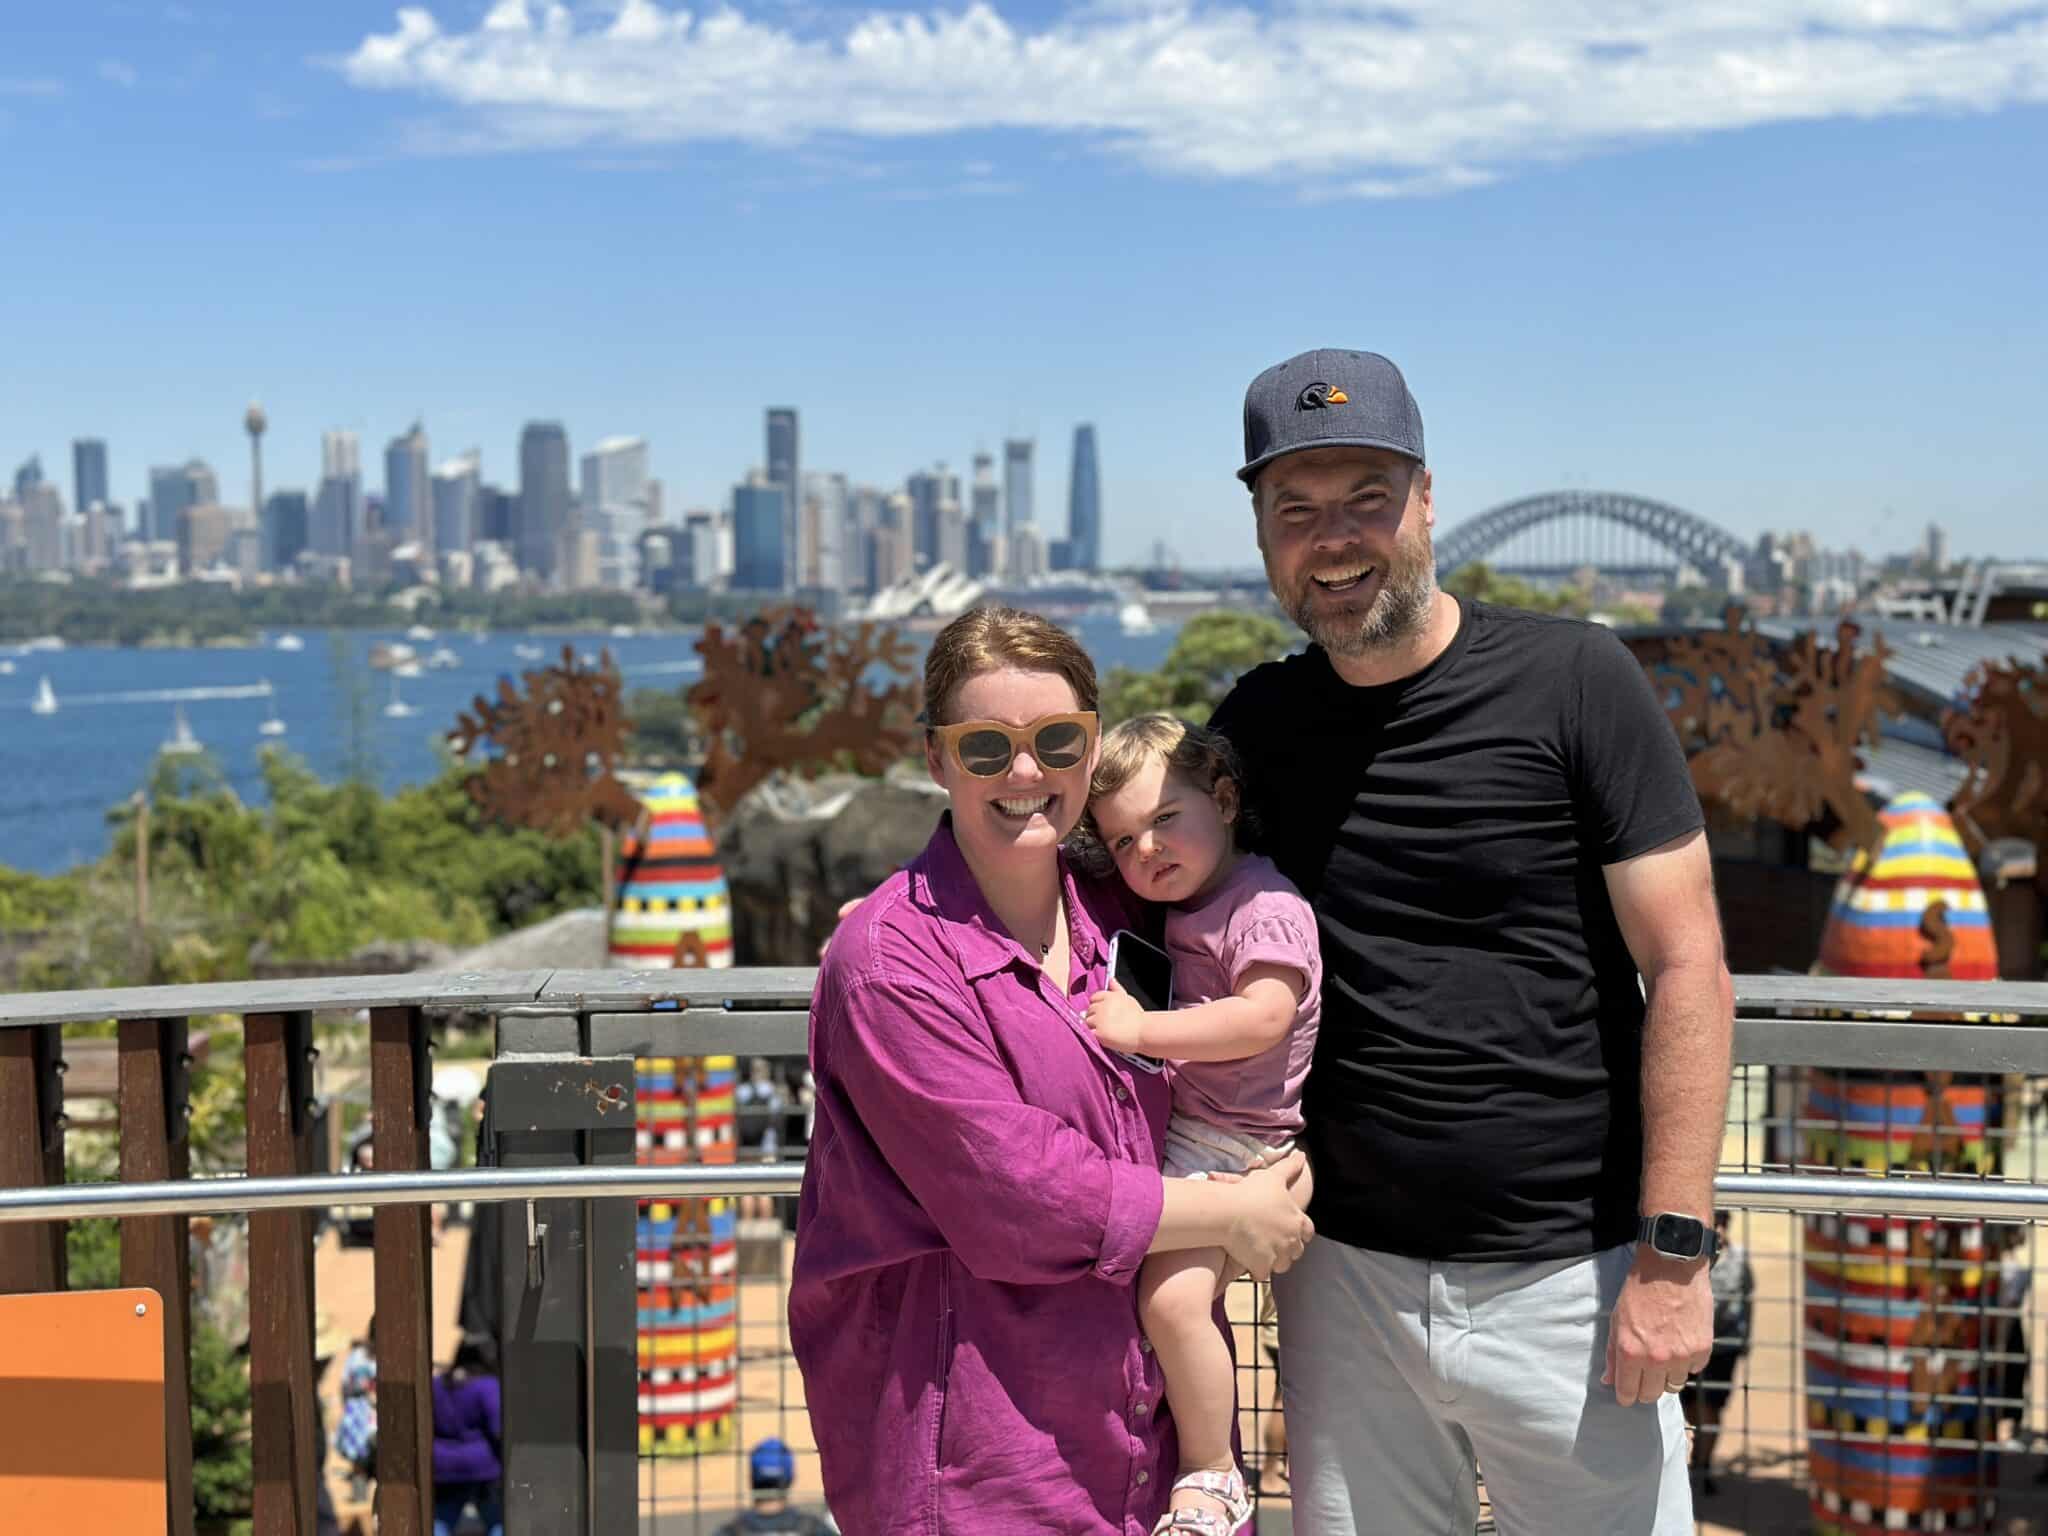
(553,749)
(1773,731)
(2002,735)
(783,692)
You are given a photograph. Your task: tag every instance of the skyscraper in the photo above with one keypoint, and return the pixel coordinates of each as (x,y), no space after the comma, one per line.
(456,492)
(29,476)
(1017,508)
(984,520)
(337,521)
(613,505)
(1084,504)
(543,495)
(287,526)
(172,489)
(759,517)
(785,468)
(88,472)
(407,504)
(930,492)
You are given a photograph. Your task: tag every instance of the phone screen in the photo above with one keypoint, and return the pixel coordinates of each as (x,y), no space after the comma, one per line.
(1142,969)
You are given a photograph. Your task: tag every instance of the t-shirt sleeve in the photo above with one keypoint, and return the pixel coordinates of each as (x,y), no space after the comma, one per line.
(1629,775)
(1272,930)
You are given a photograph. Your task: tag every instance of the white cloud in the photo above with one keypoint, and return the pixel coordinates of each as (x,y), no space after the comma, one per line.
(1337,97)
(117,72)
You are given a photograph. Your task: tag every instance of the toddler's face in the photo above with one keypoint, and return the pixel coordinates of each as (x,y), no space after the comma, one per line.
(1169,838)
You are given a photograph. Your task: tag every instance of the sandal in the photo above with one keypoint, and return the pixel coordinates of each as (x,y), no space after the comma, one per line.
(1227,1488)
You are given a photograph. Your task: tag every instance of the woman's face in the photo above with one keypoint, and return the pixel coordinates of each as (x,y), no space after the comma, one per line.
(1029,806)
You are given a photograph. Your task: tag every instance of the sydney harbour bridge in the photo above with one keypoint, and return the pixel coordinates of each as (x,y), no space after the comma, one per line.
(1555,535)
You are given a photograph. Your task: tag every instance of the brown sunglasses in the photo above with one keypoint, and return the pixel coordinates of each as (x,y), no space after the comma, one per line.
(985,748)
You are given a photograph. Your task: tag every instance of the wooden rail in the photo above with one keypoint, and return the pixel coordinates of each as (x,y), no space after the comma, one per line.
(1778,1018)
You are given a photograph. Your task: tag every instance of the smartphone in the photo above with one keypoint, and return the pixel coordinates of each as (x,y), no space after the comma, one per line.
(1142,969)
(1145,971)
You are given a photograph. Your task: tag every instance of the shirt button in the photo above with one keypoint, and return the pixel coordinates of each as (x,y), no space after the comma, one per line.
(1144,1346)
(1123,1094)
(1144,1476)
(1143,1409)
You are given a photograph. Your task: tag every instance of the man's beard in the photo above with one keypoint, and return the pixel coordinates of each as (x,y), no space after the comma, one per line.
(1398,612)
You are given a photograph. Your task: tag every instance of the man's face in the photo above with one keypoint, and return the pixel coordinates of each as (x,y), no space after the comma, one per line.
(1346,537)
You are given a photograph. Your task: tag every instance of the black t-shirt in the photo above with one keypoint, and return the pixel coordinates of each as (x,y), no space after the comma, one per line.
(1476,1092)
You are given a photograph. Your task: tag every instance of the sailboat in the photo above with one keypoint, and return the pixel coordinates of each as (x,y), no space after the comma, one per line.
(181,743)
(45,701)
(272,725)
(398,709)
(290,642)
(1135,618)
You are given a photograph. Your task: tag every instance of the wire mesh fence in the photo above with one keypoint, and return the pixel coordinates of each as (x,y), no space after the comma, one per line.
(1871,1373)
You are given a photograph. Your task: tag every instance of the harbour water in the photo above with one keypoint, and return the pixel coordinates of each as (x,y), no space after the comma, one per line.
(63,769)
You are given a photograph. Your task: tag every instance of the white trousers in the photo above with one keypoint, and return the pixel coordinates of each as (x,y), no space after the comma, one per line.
(1405,1380)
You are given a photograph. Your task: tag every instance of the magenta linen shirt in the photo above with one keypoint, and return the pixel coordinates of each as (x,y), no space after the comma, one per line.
(982,1184)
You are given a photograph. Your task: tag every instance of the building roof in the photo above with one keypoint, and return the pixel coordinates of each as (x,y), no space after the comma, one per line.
(1932,661)
(1894,767)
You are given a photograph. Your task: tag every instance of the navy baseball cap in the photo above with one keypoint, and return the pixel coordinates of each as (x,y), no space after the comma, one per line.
(1329,399)
(771,1465)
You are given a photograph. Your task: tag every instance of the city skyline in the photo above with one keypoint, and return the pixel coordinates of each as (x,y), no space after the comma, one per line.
(1780,270)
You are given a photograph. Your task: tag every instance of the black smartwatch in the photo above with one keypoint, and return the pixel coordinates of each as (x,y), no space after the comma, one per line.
(1684,1238)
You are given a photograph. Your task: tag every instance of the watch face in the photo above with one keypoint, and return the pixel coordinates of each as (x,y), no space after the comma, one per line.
(1679,1237)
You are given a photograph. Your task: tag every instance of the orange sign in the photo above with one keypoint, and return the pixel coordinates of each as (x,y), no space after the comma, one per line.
(82,1413)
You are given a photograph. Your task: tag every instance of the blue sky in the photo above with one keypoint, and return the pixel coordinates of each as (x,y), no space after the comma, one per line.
(1780,263)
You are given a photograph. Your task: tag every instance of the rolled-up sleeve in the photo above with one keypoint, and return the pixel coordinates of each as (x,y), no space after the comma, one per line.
(1016,1191)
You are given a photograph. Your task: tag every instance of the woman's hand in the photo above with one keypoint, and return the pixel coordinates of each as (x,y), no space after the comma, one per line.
(1268,1229)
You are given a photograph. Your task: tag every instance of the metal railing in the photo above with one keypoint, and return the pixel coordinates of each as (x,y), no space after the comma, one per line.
(575,1028)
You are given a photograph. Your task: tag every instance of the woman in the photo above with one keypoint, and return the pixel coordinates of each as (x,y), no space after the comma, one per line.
(983,1181)
(469,1440)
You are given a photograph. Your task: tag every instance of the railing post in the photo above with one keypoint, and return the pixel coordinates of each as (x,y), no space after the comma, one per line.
(278,1056)
(568,1340)
(400,1102)
(154,1249)
(31,1152)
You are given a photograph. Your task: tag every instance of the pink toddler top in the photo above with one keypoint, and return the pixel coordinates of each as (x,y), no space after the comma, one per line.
(1256,917)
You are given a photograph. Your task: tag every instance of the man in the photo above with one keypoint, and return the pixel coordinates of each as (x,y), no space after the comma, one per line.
(771,1468)
(1513,1139)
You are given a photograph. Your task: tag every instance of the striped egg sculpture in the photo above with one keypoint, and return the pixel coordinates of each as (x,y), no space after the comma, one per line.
(674,909)
(1898,1336)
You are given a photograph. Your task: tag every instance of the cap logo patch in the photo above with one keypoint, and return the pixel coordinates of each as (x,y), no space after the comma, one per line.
(1318,396)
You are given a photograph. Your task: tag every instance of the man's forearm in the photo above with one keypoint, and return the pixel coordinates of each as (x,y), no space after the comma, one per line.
(1687,1048)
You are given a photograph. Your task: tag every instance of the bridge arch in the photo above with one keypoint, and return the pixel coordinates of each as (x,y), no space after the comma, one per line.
(1686,534)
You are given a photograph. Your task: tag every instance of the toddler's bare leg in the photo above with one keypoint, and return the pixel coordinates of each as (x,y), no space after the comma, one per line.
(1176,1292)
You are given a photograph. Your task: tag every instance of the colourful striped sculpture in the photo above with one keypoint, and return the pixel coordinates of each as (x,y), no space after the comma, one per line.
(674,910)
(673,905)
(1894,1327)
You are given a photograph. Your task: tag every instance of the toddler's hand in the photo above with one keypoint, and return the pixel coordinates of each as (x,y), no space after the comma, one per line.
(1117,1020)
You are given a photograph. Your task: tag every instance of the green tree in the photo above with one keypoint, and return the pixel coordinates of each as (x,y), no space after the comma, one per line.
(1211,652)
(1483,584)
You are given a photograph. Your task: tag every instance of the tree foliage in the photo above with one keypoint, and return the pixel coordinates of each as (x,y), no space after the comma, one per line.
(1211,652)
(1483,584)
(314,875)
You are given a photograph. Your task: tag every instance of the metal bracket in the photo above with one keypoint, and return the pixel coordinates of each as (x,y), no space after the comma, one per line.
(422,1073)
(536,1250)
(299,1056)
(50,1068)
(177,1058)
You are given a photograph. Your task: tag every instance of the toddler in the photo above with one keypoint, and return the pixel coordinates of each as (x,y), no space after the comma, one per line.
(1247,982)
